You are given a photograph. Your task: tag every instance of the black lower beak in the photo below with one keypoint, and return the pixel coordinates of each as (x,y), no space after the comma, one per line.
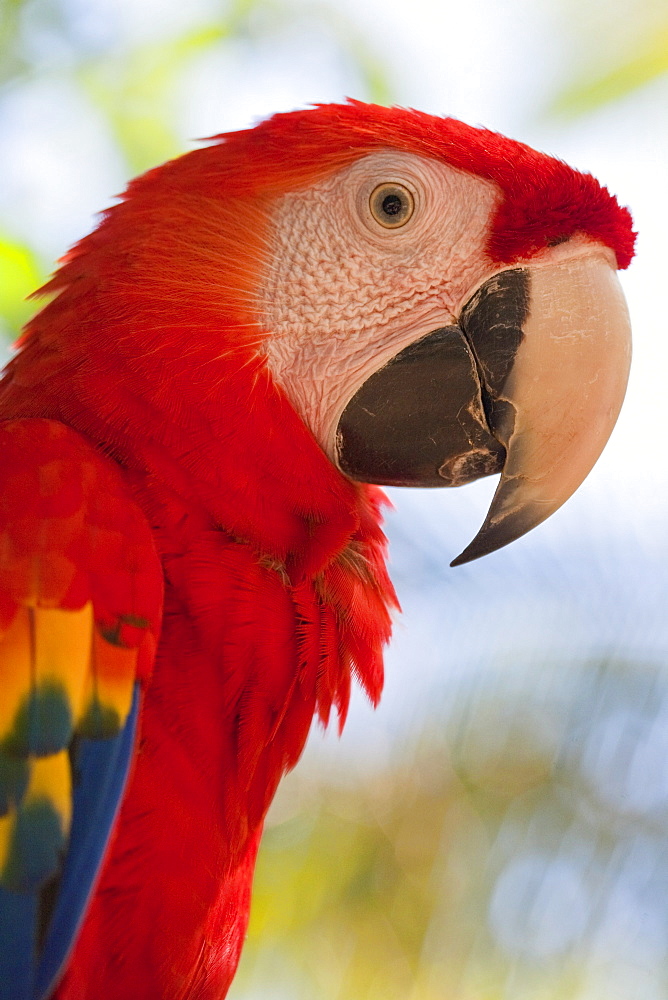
(420,420)
(428,417)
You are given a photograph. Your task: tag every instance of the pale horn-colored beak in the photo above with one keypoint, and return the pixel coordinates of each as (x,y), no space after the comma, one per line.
(562,396)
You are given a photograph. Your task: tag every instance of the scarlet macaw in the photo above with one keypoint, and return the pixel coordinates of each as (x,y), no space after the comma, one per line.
(191,558)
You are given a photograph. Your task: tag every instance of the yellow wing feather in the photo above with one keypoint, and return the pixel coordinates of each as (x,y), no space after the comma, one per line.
(59,677)
(62,642)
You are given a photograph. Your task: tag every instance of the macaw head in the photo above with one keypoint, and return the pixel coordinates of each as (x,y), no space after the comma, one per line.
(444,305)
(436,302)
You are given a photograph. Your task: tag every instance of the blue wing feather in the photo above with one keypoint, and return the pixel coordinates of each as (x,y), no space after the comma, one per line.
(19,914)
(29,967)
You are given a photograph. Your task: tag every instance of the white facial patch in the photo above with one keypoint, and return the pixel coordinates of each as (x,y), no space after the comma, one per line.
(343,294)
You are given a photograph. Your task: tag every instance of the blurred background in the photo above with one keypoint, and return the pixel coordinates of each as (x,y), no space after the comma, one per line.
(498,829)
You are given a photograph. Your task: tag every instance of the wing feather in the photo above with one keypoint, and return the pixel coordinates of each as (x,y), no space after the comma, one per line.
(80,599)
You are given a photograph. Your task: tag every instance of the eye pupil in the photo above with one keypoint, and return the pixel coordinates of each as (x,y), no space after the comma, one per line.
(392,204)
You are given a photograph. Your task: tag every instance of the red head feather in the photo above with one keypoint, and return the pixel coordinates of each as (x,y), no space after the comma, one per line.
(544,201)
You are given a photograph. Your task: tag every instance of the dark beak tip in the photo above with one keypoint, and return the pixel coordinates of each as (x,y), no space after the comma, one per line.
(476,550)
(499,529)
(461,559)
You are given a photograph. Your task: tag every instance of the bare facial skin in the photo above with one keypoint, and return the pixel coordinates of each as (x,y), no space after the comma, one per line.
(344,294)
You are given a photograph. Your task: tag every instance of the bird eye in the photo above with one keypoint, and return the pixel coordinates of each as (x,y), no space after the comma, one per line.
(391,205)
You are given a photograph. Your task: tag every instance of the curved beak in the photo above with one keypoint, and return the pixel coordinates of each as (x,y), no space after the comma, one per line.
(555,407)
(529,383)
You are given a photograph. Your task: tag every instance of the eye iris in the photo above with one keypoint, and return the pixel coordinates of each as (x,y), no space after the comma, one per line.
(391,205)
